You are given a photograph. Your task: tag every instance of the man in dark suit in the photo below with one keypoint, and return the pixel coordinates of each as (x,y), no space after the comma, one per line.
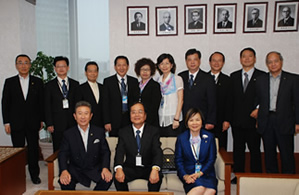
(120,91)
(244,113)
(287,20)
(255,22)
(224,98)
(166,25)
(92,92)
(139,145)
(22,111)
(196,23)
(84,154)
(224,23)
(137,24)
(59,101)
(199,89)
(278,114)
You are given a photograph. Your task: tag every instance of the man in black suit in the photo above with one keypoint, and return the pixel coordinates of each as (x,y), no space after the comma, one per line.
(199,89)
(166,25)
(59,101)
(244,113)
(22,111)
(139,145)
(224,23)
(255,22)
(287,20)
(137,24)
(120,91)
(224,99)
(92,92)
(196,23)
(278,114)
(84,154)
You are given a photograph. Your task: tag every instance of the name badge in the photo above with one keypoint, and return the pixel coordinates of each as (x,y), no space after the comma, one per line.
(65,103)
(138,160)
(197,167)
(125,99)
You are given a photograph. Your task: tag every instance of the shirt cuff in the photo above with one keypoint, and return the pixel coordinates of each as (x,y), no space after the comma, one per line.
(116,167)
(155,166)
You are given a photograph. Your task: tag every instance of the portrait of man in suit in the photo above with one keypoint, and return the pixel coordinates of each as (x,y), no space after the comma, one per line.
(22,112)
(138,152)
(196,22)
(255,21)
(224,20)
(166,26)
(287,19)
(138,24)
(84,154)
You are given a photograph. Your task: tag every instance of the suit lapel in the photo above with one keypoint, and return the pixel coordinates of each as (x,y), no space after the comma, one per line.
(80,143)
(282,86)
(90,139)
(188,146)
(19,90)
(203,146)
(132,138)
(57,88)
(116,84)
(89,90)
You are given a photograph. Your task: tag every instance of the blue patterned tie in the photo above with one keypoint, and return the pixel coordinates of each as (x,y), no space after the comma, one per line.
(138,140)
(191,81)
(123,94)
(64,89)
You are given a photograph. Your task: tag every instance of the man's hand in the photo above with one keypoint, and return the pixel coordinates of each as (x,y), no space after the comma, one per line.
(154,176)
(297,128)
(7,128)
(65,177)
(209,126)
(50,129)
(254,113)
(106,175)
(41,125)
(225,126)
(108,127)
(120,175)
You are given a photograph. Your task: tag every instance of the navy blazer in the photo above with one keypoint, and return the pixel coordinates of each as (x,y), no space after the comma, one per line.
(83,165)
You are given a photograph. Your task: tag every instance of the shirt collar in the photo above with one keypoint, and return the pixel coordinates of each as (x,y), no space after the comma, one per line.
(135,129)
(60,80)
(119,78)
(250,72)
(194,74)
(24,78)
(278,76)
(82,131)
(92,84)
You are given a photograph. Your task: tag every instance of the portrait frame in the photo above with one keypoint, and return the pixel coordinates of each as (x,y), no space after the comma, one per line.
(141,29)
(231,24)
(279,24)
(199,27)
(172,28)
(260,24)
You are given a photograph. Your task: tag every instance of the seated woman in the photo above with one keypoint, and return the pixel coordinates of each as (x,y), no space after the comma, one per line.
(195,155)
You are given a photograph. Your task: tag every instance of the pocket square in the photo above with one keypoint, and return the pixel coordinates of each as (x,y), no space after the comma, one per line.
(96,141)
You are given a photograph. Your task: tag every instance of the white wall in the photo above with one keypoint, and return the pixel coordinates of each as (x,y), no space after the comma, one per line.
(136,47)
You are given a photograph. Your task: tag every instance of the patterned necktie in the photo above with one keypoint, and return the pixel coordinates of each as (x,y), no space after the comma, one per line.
(138,140)
(64,89)
(191,81)
(246,81)
(123,94)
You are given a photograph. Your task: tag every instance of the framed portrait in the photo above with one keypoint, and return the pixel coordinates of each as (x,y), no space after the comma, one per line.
(196,19)
(167,21)
(286,16)
(255,17)
(225,18)
(138,20)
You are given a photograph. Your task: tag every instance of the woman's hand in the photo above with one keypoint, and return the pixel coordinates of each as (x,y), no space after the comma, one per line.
(175,124)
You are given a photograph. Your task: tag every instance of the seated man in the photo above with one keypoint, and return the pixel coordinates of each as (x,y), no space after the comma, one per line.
(84,154)
(139,144)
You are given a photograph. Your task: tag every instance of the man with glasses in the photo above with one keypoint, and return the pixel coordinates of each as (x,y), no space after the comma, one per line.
(166,25)
(22,111)
(255,21)
(287,20)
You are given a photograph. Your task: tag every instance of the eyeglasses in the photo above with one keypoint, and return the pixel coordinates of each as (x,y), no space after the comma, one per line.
(61,66)
(23,63)
(137,112)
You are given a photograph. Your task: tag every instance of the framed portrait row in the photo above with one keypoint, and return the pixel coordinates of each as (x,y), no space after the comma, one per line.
(224,21)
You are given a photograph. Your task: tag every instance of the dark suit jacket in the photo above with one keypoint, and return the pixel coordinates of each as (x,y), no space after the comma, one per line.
(135,27)
(16,110)
(229,24)
(62,119)
(84,92)
(84,166)
(150,150)
(289,22)
(164,28)
(258,23)
(202,95)
(193,25)
(151,98)
(244,103)
(287,105)
(112,100)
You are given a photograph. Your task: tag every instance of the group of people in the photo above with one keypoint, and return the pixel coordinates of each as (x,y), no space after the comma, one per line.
(195,106)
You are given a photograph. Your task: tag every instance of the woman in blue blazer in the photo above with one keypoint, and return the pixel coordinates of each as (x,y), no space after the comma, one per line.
(195,155)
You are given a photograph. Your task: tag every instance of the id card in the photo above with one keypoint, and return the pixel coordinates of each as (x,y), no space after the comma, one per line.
(65,103)
(125,99)
(138,160)
(197,167)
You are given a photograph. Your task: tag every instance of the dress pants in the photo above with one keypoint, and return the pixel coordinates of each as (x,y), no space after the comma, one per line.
(222,136)
(125,120)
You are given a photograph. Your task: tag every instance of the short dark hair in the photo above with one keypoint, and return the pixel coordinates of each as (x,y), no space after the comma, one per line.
(248,49)
(276,52)
(191,112)
(191,52)
(83,103)
(60,58)
(22,55)
(217,52)
(121,57)
(91,63)
(138,103)
(145,61)
(195,11)
(135,15)
(163,57)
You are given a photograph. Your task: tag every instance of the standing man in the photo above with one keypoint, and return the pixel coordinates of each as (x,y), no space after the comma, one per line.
(224,98)
(166,24)
(92,92)
(59,101)
(138,24)
(22,111)
(138,153)
(224,23)
(84,154)
(196,23)
(255,21)
(278,114)
(243,121)
(287,20)
(120,92)
(199,89)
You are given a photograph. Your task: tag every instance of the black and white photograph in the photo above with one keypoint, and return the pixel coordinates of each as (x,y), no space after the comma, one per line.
(196,19)
(286,16)
(255,17)
(138,20)
(225,18)
(166,21)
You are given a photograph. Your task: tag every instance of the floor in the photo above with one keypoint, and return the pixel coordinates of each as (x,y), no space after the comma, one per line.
(32,188)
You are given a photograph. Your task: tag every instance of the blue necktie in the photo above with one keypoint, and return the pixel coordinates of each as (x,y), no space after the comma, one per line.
(64,89)
(123,94)
(191,81)
(138,140)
